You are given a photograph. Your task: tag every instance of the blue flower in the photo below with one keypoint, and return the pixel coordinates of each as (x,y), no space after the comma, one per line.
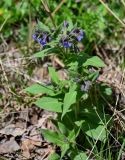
(79,34)
(34,37)
(43,42)
(66,24)
(41,37)
(86,86)
(66,42)
(39,40)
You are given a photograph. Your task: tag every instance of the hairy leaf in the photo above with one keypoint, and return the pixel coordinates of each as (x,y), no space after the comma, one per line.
(95,62)
(40,89)
(50,104)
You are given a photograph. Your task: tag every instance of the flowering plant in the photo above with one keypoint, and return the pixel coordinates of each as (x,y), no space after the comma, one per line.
(75,99)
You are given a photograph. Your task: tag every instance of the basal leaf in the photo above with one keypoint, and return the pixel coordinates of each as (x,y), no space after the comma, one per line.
(40,89)
(94,61)
(50,104)
(53,137)
(42,53)
(69,99)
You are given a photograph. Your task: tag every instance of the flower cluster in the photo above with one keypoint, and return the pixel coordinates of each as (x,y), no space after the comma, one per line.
(41,37)
(86,86)
(67,37)
(70,38)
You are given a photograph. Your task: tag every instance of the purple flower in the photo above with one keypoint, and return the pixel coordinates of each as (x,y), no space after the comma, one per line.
(66,24)
(34,37)
(41,37)
(66,42)
(42,41)
(39,40)
(86,86)
(79,34)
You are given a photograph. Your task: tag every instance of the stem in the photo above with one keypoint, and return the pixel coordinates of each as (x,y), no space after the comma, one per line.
(46,7)
(29,26)
(76,110)
(120,21)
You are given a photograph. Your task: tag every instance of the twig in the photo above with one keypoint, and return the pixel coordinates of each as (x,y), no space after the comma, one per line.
(120,21)
(123,2)
(56,10)
(1,27)
(46,7)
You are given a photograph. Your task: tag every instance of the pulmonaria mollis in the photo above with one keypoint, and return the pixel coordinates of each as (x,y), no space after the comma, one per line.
(70,38)
(66,37)
(41,37)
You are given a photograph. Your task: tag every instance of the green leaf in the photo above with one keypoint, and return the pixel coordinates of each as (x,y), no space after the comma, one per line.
(50,104)
(43,27)
(94,61)
(72,136)
(40,89)
(63,129)
(95,131)
(81,156)
(42,53)
(64,149)
(93,76)
(54,76)
(54,156)
(53,137)
(69,99)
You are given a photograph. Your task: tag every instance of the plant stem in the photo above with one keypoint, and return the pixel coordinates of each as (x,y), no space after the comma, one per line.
(120,21)
(57,8)
(46,7)
(76,110)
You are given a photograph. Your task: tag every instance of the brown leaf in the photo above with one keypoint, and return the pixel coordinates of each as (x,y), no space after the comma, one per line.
(26,147)
(34,119)
(12,130)
(9,146)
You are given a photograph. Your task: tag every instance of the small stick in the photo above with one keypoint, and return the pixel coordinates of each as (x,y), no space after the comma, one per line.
(57,8)
(120,21)
(46,7)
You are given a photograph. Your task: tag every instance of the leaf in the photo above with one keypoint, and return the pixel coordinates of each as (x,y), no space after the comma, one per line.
(94,61)
(42,53)
(72,136)
(43,27)
(93,76)
(94,131)
(81,156)
(63,129)
(53,137)
(9,146)
(54,75)
(40,89)
(69,99)
(50,104)
(64,149)
(54,156)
